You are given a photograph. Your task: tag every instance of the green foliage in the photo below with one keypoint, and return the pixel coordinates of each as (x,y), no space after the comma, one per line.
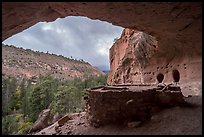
(42,95)
(67,99)
(24,127)
(9,125)
(24,123)
(26,101)
(8,89)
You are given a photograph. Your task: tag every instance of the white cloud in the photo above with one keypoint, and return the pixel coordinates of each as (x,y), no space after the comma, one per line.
(46,26)
(79,37)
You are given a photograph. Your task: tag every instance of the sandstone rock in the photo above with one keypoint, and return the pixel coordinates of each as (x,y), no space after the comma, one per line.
(63,120)
(42,120)
(55,117)
(131,57)
(136,60)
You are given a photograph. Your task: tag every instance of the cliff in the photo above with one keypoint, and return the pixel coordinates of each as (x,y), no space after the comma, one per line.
(136,58)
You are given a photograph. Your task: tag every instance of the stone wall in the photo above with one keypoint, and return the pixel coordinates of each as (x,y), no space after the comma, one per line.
(116,105)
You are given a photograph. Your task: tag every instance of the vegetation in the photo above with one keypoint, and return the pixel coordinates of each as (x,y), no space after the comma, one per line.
(37,52)
(22,101)
(115,39)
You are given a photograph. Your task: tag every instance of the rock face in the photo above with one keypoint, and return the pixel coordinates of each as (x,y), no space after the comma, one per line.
(129,56)
(42,121)
(135,58)
(175,25)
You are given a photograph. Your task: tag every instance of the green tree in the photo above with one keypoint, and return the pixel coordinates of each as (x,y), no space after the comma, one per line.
(42,95)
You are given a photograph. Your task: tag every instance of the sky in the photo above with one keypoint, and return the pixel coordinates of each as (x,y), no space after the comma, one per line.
(79,37)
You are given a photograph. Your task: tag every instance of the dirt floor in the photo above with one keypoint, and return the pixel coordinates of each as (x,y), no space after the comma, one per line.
(172,121)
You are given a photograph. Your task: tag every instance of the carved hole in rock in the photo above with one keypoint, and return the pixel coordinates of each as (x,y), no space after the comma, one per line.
(176,75)
(128,71)
(160,77)
(154,46)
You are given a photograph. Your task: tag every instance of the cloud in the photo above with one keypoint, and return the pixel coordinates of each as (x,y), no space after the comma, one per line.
(79,37)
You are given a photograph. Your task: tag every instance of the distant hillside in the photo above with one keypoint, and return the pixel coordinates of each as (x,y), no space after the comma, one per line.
(19,62)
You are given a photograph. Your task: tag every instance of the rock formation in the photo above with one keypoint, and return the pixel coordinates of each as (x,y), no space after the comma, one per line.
(129,56)
(42,121)
(175,25)
(136,58)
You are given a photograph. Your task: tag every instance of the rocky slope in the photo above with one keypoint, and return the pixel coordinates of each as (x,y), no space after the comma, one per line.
(19,62)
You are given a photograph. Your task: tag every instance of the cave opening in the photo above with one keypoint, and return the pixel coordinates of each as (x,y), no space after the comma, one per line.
(160,77)
(176,75)
(72,37)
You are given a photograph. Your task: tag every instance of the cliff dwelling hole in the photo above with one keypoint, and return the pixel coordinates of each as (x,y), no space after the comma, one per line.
(176,75)
(160,77)
(128,71)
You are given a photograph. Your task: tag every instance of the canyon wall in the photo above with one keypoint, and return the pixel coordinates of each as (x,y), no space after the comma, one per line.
(134,60)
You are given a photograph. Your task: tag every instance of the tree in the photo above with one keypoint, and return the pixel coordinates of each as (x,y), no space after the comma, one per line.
(42,95)
(115,39)
(8,89)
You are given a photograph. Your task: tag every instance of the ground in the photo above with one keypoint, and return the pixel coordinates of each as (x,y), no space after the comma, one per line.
(172,121)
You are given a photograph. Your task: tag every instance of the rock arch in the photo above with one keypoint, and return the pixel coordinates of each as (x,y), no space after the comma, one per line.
(176,25)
